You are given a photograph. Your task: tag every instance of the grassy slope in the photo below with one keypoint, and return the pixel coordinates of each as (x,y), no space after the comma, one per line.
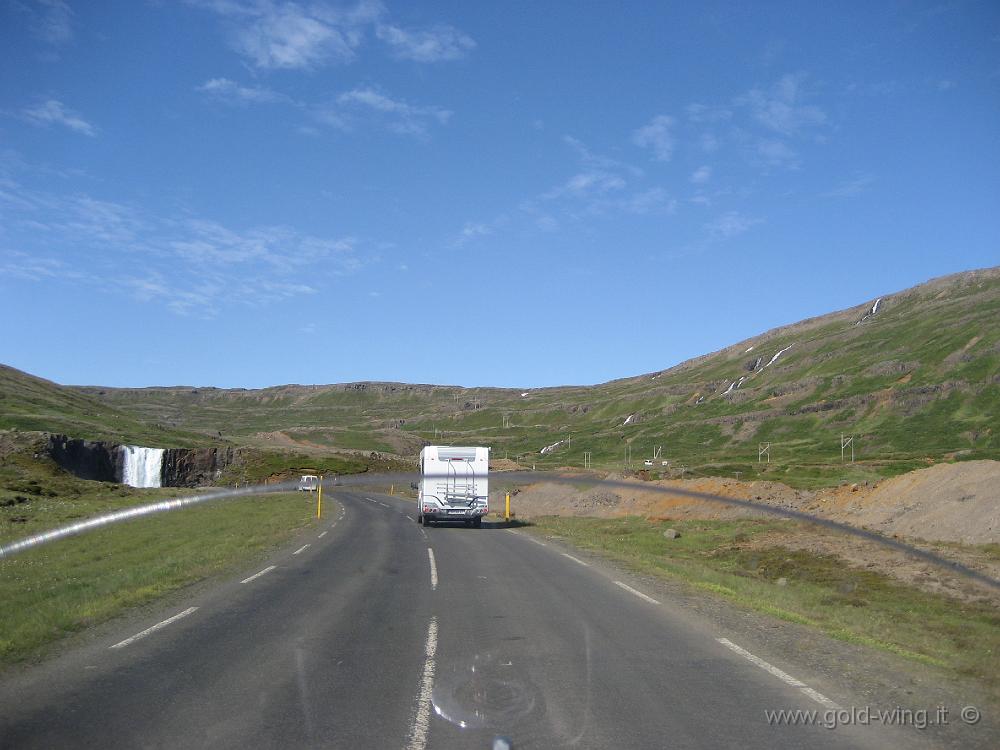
(918,381)
(29,403)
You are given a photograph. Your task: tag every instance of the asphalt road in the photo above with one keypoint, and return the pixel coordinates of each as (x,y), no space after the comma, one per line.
(383,634)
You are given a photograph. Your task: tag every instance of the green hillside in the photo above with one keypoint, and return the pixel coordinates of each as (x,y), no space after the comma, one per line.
(915,382)
(29,403)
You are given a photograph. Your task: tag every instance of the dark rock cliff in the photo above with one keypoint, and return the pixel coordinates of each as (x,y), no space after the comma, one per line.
(86,459)
(191,467)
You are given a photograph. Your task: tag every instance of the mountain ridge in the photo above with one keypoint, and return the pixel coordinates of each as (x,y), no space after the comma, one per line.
(919,379)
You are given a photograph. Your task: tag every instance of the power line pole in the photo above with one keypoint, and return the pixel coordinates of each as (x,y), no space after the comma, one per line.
(586,459)
(844,442)
(763,449)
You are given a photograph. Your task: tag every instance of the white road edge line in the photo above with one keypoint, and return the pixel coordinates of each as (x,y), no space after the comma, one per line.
(528,537)
(576,559)
(268,569)
(155,627)
(384,505)
(410,517)
(301,549)
(783,676)
(322,534)
(421,719)
(641,595)
(434,570)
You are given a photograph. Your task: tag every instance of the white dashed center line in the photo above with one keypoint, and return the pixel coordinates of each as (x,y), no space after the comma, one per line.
(268,569)
(434,570)
(421,720)
(301,549)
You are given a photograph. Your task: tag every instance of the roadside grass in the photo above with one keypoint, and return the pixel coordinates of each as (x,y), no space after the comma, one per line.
(822,591)
(66,586)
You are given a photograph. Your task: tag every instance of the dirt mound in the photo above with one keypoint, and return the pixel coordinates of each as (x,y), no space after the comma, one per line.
(949,502)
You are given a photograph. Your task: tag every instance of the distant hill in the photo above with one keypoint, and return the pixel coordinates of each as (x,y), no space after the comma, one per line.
(913,376)
(29,403)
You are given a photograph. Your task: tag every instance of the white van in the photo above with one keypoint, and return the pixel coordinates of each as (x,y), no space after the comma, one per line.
(454,485)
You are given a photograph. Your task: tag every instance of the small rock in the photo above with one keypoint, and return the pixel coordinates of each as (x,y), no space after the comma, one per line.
(671,534)
(782,581)
(854,487)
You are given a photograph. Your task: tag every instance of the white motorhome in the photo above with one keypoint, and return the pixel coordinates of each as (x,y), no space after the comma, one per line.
(454,485)
(308,483)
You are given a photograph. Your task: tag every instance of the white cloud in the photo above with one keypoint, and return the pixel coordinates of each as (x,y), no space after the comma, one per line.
(546,223)
(702,113)
(398,115)
(657,136)
(780,108)
(230,92)
(54,112)
(289,35)
(52,21)
(288,38)
(596,161)
(192,266)
(709,143)
(851,188)
(292,35)
(701,175)
(473,229)
(586,184)
(30,267)
(731,224)
(776,153)
(653,201)
(435,44)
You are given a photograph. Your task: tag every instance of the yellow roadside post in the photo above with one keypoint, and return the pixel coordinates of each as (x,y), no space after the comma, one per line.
(506,509)
(319,498)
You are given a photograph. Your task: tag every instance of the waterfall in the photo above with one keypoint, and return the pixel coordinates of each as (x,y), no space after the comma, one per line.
(141,467)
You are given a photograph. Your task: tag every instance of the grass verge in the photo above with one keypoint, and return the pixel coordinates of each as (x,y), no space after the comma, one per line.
(69,585)
(822,591)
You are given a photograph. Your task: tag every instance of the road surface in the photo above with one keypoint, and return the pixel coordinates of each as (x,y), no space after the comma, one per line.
(372,631)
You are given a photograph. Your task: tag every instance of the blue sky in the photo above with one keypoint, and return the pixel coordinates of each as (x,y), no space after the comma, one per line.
(246,193)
